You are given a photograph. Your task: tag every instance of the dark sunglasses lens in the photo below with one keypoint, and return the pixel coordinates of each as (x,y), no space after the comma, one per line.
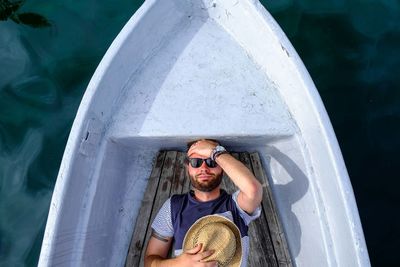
(195,163)
(210,163)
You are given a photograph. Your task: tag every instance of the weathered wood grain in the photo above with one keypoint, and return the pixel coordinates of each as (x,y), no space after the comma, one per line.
(178,181)
(163,192)
(137,241)
(275,228)
(261,248)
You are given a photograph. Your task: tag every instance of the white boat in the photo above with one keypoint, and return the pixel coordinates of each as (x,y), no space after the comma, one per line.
(186,69)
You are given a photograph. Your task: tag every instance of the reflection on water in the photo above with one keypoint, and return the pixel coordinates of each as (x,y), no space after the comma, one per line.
(11,10)
(22,211)
(349,47)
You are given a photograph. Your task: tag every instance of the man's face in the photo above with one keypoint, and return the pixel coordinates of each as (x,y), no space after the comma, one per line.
(204,178)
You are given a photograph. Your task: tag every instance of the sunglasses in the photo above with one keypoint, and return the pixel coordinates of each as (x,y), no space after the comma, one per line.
(196,162)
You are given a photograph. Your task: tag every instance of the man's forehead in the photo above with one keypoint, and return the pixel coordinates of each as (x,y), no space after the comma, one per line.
(195,155)
(190,144)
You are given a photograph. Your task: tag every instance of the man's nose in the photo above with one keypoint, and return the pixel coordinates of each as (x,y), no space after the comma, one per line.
(204,165)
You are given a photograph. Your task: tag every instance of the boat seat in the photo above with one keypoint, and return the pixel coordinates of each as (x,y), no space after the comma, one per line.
(268,245)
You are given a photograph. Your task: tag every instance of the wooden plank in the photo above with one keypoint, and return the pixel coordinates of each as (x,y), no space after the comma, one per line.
(178,181)
(181,182)
(261,249)
(186,179)
(138,236)
(276,230)
(162,195)
(261,252)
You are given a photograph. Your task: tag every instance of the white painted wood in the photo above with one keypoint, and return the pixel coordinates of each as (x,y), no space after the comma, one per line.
(185,69)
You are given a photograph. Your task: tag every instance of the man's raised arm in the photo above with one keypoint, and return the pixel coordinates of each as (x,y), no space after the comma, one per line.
(251,191)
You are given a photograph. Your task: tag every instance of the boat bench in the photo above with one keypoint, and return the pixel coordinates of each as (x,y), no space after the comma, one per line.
(268,245)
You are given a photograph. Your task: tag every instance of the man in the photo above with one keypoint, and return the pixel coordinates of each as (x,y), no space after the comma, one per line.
(207,161)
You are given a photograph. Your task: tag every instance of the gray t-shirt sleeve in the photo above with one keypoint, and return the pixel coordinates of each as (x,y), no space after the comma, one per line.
(162,223)
(245,216)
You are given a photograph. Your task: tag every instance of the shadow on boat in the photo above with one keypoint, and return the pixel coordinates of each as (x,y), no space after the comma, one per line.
(293,191)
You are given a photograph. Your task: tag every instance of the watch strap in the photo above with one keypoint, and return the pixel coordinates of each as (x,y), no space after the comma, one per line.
(217,151)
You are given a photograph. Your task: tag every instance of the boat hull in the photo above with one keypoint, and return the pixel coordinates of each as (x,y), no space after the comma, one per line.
(217,69)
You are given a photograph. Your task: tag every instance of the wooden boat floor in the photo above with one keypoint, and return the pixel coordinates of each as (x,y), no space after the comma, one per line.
(268,245)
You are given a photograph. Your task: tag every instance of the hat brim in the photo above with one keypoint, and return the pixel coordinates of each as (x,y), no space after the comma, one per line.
(237,257)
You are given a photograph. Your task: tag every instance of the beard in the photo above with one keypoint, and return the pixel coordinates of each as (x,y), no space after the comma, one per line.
(207,186)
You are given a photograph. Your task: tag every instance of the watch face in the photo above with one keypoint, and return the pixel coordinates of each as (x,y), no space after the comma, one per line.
(217,151)
(220,148)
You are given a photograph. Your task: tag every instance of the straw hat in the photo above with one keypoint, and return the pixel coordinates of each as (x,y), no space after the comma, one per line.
(216,233)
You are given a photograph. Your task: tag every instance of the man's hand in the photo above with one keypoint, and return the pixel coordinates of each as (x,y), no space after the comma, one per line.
(203,148)
(194,257)
(156,256)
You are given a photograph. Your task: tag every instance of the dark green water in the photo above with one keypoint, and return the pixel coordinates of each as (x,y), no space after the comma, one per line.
(349,47)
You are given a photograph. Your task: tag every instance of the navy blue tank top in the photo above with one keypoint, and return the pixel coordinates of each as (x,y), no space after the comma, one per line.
(186,210)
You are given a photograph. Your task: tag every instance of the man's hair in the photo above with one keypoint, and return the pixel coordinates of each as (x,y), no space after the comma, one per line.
(192,142)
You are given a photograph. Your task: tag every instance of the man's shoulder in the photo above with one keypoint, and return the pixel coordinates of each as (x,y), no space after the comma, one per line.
(176,199)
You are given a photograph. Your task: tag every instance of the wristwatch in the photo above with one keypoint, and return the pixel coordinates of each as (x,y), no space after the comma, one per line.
(218,150)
